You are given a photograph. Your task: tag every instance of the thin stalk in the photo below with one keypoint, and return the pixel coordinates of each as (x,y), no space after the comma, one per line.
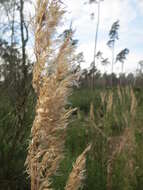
(96,40)
(12,26)
(112,66)
(122,68)
(113,51)
(97,30)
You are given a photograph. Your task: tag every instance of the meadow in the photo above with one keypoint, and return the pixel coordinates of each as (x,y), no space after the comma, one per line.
(113,126)
(63,127)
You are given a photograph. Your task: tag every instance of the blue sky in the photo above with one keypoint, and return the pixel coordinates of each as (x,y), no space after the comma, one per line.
(130,14)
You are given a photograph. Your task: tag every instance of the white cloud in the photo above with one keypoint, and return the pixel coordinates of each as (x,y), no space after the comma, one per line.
(140,5)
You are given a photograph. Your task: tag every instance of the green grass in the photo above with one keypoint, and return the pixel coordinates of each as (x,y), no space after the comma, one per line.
(79,134)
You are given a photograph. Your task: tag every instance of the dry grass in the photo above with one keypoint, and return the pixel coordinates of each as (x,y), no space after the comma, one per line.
(48,131)
(92,114)
(110,102)
(77,174)
(124,143)
(119,145)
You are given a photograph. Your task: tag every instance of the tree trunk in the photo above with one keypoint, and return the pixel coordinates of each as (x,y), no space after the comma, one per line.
(95,47)
(122,68)
(23,40)
(96,34)
(13,22)
(112,69)
(22,92)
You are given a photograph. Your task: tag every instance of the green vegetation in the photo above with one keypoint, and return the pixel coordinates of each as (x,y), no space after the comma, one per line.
(81,131)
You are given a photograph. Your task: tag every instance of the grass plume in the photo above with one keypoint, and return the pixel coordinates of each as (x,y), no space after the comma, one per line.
(124,143)
(48,131)
(77,174)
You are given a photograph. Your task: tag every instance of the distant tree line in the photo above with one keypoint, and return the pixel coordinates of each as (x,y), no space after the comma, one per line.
(109,80)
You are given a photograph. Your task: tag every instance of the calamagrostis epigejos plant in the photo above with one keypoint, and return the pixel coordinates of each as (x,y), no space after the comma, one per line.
(124,143)
(77,174)
(92,117)
(52,87)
